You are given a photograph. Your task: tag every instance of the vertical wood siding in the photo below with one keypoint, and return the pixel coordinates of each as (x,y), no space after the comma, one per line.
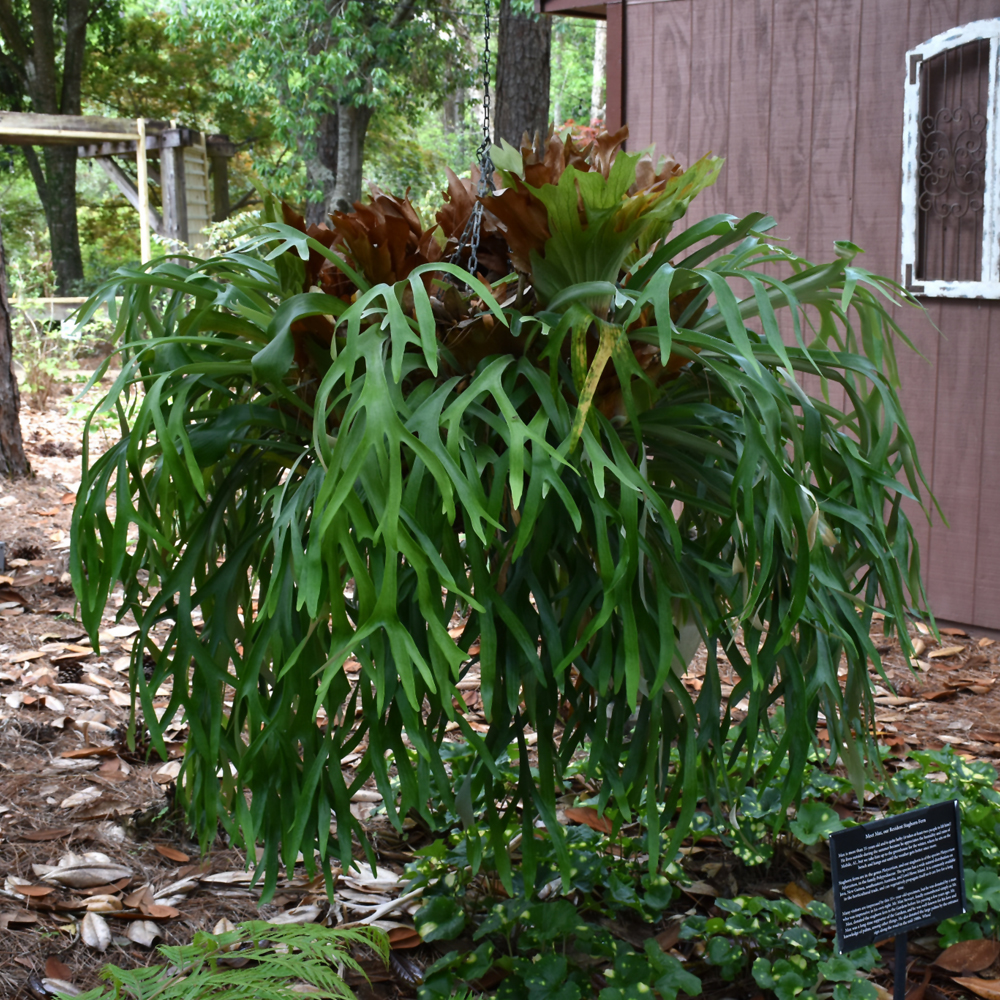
(804,98)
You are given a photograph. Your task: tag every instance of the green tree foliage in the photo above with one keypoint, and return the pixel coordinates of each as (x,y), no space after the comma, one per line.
(147,71)
(42,51)
(322,68)
(337,450)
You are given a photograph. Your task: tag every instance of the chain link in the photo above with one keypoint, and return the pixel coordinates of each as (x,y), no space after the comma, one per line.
(471,233)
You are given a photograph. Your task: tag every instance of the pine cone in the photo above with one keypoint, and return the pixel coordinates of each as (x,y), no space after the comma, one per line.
(70,673)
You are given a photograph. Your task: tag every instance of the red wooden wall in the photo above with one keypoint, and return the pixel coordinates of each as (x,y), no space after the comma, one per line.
(804,98)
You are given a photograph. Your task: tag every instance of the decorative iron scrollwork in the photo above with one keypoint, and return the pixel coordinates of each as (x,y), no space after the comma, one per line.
(952,165)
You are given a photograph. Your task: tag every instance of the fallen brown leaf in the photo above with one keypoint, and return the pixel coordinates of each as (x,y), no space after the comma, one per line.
(938,695)
(95,932)
(26,656)
(666,939)
(968,956)
(404,937)
(34,890)
(987,988)
(40,835)
(10,594)
(943,654)
(797,894)
(917,993)
(700,889)
(88,752)
(159,911)
(171,853)
(589,816)
(55,969)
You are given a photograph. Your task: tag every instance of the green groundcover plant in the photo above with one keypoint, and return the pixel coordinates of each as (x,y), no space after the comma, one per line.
(594,455)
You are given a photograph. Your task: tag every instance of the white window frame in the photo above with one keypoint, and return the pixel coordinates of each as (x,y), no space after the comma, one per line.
(988,287)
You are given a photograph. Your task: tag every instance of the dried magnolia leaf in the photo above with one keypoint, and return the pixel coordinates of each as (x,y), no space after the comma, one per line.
(969,956)
(159,911)
(95,932)
(123,631)
(987,988)
(87,876)
(83,690)
(81,798)
(223,926)
(54,985)
(306,914)
(30,654)
(700,889)
(942,654)
(383,880)
(143,932)
(104,903)
(589,816)
(226,878)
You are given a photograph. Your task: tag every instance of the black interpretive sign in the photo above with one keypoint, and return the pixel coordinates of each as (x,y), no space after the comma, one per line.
(897,874)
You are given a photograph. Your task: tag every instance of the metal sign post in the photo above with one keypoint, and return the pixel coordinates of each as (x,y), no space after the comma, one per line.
(896,874)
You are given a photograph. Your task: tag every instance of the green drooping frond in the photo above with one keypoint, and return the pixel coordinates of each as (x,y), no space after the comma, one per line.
(334,478)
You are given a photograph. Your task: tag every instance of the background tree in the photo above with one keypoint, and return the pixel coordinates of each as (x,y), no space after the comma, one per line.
(148,72)
(12,458)
(42,49)
(523,55)
(326,67)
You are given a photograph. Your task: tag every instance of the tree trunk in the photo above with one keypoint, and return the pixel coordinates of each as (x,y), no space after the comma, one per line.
(523,53)
(58,199)
(13,461)
(321,170)
(598,73)
(353,127)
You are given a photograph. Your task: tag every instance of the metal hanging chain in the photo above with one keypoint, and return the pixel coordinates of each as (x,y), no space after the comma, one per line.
(470,235)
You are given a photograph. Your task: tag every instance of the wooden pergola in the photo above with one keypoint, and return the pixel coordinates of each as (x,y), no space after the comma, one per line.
(193,174)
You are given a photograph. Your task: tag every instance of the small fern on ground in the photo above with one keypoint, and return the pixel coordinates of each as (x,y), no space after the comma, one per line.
(256,961)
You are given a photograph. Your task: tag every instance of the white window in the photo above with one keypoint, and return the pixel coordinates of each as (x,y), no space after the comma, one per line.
(951,167)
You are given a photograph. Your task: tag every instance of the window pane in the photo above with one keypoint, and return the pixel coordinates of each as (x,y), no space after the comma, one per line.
(954,89)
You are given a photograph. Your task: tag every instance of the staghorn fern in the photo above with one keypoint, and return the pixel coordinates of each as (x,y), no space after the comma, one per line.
(331,476)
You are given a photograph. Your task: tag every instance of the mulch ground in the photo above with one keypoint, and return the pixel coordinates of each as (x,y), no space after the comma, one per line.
(71,793)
